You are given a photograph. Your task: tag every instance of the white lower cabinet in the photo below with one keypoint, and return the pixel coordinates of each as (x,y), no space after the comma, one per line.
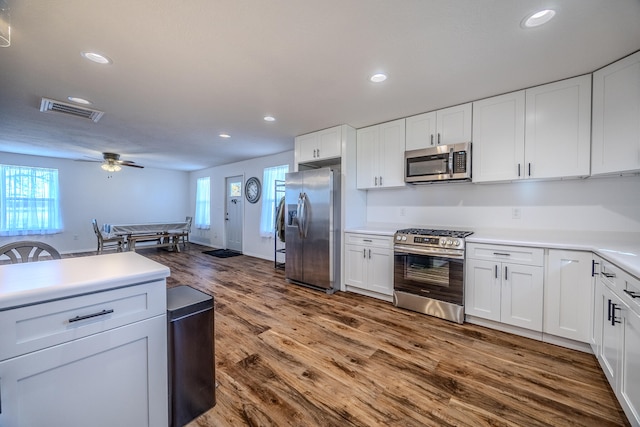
(618,348)
(505,284)
(98,359)
(568,295)
(369,265)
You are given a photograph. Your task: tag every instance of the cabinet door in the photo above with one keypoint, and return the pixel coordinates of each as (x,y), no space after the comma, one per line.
(421,131)
(630,381)
(329,143)
(567,295)
(498,138)
(453,124)
(306,147)
(616,117)
(596,312)
(114,378)
(355,263)
(612,335)
(522,293)
(558,129)
(367,147)
(380,271)
(482,289)
(391,154)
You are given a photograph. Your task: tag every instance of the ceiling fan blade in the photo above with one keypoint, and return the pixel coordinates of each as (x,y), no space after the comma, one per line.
(131,164)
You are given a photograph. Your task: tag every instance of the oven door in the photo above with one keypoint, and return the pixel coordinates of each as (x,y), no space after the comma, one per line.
(438,276)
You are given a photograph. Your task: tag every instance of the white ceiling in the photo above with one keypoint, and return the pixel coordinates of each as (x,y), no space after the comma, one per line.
(184,72)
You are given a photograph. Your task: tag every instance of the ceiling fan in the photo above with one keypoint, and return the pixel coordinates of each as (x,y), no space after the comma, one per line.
(111,162)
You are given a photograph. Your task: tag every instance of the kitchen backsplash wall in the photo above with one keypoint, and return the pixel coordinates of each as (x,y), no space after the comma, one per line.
(599,204)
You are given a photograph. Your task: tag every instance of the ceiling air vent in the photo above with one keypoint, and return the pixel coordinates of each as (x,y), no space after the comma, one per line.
(74,110)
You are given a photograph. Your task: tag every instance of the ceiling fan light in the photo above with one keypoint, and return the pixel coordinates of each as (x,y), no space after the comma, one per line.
(96,57)
(111,167)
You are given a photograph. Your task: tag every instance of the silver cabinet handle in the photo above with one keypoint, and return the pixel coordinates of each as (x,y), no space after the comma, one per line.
(367,240)
(318,152)
(518,169)
(364,253)
(501,253)
(431,139)
(529,169)
(89,316)
(505,273)
(496,273)
(438,138)
(380,180)
(376,181)
(369,253)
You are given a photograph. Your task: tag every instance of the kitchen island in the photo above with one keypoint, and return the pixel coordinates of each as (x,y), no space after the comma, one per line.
(83,340)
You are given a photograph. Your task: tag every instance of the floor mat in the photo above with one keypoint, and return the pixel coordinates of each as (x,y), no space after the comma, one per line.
(222,253)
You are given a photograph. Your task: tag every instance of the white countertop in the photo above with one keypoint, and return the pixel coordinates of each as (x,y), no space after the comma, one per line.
(622,249)
(35,282)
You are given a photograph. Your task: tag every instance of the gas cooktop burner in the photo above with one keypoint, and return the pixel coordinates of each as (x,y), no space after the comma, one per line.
(437,233)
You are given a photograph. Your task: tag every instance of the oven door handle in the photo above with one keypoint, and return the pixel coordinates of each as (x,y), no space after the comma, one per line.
(412,250)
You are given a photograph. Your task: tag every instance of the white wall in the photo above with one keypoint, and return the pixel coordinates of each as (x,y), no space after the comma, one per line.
(252,243)
(602,204)
(86,192)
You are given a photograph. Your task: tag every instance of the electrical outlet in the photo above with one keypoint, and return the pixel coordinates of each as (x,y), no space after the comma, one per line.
(516,213)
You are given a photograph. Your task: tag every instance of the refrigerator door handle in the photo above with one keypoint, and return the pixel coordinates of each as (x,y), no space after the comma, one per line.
(303,215)
(299,214)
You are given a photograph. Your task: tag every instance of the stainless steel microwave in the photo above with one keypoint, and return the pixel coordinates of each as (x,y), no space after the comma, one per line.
(440,163)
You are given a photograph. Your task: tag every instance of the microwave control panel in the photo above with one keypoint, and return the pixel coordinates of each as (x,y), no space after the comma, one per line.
(460,162)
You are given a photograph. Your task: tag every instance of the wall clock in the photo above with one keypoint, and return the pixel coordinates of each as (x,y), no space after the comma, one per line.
(252,189)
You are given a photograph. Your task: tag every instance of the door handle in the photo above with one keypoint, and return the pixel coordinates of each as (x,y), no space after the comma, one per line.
(609,311)
(431,139)
(614,307)
(496,272)
(632,294)
(364,253)
(505,273)
(593,267)
(438,138)
(380,180)
(369,253)
(90,316)
(529,169)
(518,169)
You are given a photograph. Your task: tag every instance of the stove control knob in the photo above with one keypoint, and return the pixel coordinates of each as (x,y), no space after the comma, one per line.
(449,242)
(398,237)
(457,242)
(443,242)
(404,238)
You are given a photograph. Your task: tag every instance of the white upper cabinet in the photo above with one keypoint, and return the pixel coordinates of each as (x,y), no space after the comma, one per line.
(616,117)
(552,140)
(498,137)
(321,145)
(380,155)
(447,126)
(558,129)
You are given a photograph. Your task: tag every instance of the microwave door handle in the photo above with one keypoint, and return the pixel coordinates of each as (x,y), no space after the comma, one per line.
(451,162)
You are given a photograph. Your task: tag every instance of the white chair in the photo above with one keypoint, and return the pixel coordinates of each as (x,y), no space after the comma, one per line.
(116,242)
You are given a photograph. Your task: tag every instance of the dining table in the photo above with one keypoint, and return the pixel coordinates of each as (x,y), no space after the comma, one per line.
(163,232)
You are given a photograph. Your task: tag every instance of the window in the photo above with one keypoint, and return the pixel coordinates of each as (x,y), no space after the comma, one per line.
(268,215)
(29,201)
(203,206)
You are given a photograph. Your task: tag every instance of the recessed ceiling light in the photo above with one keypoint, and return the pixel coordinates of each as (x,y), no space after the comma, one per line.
(377,78)
(79,100)
(538,18)
(224,135)
(96,57)
(269,118)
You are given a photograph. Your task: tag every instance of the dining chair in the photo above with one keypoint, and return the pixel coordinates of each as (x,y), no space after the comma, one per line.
(106,242)
(28,251)
(183,235)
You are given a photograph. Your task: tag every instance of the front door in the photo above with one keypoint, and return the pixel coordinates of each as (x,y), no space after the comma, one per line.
(233,213)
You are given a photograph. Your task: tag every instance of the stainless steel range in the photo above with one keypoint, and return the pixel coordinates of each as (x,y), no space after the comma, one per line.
(429,272)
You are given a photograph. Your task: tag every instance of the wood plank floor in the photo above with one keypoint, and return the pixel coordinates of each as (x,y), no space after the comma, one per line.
(290,356)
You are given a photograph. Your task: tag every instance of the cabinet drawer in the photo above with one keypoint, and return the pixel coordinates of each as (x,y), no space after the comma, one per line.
(368,240)
(38,326)
(632,292)
(500,253)
(613,276)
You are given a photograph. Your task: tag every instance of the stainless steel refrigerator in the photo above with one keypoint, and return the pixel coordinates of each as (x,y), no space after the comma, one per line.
(312,228)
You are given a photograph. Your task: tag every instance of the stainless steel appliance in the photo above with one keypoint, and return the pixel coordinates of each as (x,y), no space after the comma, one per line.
(312,228)
(439,163)
(429,272)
